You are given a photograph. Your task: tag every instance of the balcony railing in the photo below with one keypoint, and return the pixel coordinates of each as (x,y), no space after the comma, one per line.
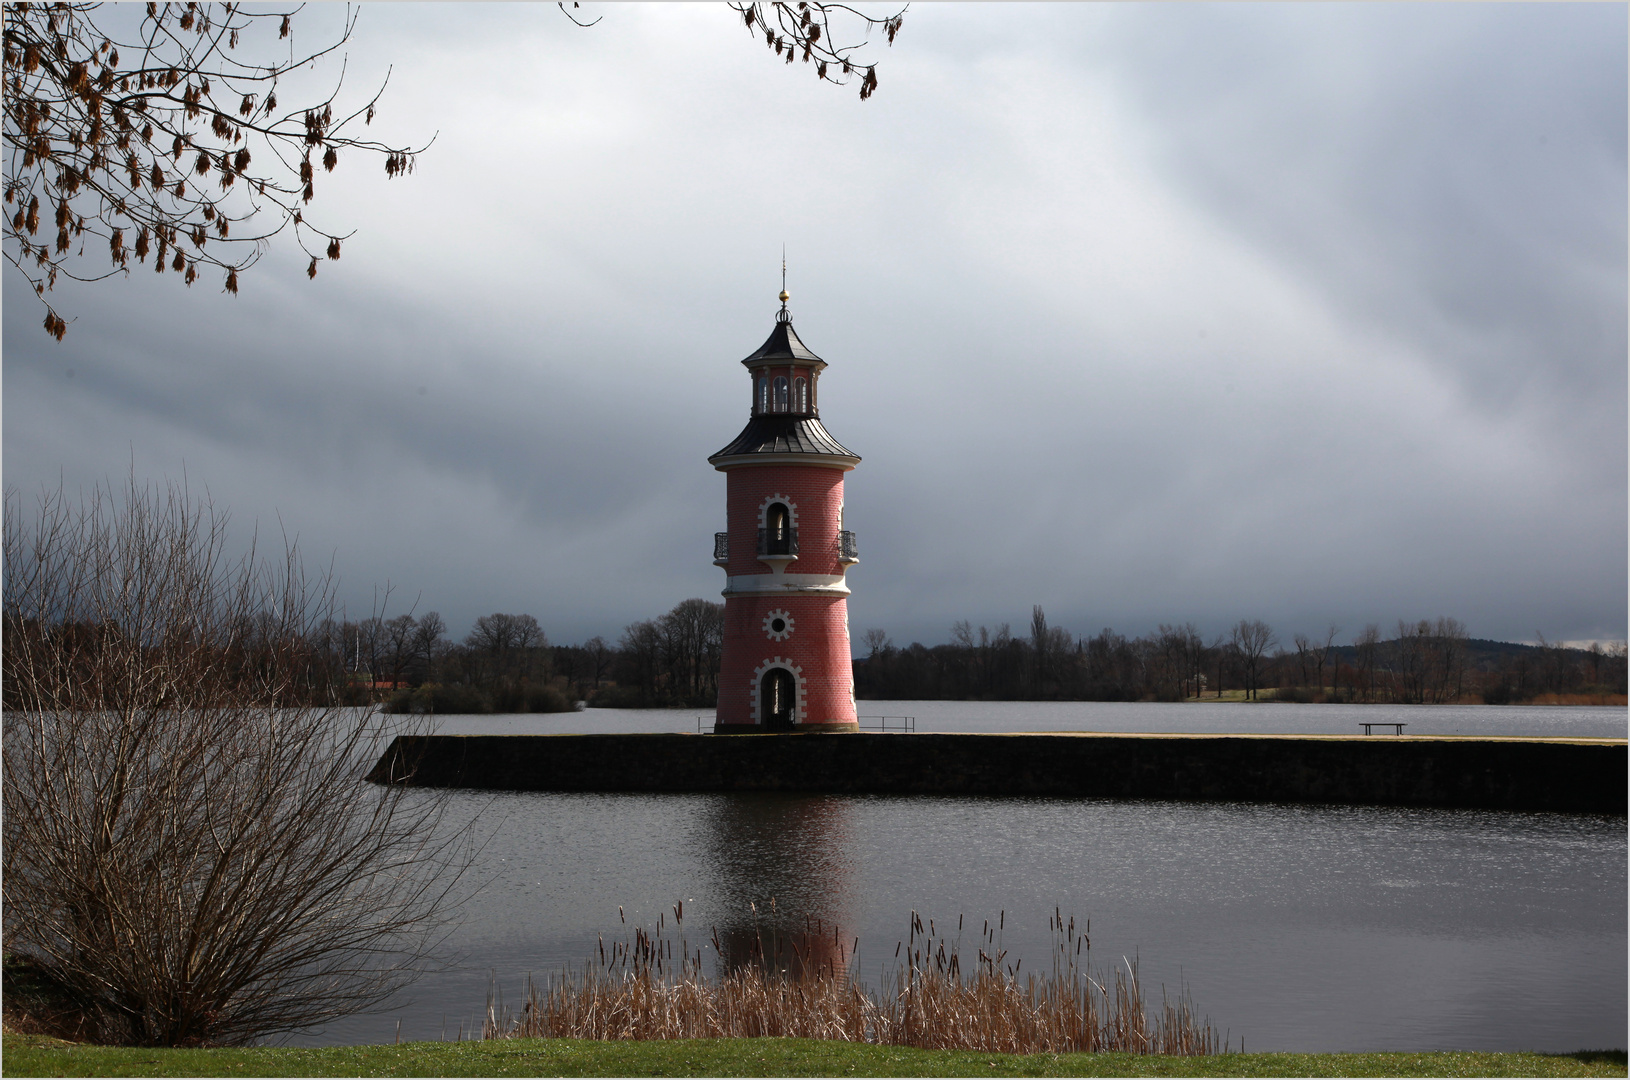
(785,544)
(847,551)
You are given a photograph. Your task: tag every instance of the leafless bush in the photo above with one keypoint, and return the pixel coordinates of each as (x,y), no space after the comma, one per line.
(190,852)
(648,989)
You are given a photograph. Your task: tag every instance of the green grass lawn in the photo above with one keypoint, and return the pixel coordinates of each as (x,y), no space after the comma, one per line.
(33,1055)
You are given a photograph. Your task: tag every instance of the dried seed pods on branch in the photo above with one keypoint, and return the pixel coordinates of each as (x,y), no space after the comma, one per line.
(159,124)
(804,31)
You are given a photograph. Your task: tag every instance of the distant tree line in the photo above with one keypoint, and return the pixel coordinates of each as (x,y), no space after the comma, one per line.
(1426,662)
(504,664)
(507,664)
(670,660)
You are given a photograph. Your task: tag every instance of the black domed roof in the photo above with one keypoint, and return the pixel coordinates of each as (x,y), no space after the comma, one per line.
(779,433)
(783,346)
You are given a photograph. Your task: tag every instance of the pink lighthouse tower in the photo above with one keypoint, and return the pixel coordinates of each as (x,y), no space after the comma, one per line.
(786,663)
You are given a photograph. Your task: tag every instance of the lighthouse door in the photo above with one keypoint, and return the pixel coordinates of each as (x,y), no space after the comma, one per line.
(776,695)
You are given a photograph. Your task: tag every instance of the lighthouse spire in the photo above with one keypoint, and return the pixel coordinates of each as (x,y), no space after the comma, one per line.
(784,315)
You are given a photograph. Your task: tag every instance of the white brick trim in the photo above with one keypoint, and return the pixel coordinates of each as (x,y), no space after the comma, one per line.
(764,508)
(800,707)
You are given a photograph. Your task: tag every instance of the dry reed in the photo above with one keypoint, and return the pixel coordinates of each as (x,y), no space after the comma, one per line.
(644,989)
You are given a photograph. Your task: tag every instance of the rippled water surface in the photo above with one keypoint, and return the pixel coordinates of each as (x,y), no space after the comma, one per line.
(1295,927)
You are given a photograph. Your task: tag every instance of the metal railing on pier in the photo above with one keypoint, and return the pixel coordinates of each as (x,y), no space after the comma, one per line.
(887,723)
(882,723)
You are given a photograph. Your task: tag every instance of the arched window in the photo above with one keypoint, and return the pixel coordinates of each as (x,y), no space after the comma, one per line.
(780,393)
(800,396)
(777,530)
(763,394)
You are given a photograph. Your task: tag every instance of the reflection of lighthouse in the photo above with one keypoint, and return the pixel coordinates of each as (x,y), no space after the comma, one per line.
(787,664)
(784,869)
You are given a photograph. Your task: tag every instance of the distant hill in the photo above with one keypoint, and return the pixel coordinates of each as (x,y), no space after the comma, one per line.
(1482,654)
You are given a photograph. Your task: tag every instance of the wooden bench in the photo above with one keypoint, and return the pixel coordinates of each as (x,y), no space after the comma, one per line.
(1397,728)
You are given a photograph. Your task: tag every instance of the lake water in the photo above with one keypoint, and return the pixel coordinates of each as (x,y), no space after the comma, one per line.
(1265,718)
(1295,927)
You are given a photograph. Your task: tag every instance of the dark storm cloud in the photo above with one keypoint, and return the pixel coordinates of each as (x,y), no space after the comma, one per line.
(1142,313)
(1455,172)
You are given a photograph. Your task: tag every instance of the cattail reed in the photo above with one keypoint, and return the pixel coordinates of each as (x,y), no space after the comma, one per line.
(640,989)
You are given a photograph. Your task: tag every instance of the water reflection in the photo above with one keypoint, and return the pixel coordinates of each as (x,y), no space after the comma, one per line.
(784,872)
(1305,927)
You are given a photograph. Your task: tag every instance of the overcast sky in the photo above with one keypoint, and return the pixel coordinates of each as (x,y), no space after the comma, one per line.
(1164,313)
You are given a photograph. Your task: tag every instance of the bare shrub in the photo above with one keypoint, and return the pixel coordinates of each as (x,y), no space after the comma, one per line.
(189,850)
(648,989)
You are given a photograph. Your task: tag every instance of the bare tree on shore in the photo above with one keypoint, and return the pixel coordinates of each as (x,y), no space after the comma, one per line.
(429,640)
(600,656)
(189,848)
(1304,659)
(692,642)
(1365,647)
(1326,657)
(1252,638)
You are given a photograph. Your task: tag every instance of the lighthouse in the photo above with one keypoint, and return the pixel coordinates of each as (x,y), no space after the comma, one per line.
(786,662)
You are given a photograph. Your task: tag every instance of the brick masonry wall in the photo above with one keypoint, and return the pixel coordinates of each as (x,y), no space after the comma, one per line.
(816,648)
(815,493)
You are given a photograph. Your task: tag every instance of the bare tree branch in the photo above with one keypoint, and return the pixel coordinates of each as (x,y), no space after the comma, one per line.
(189,847)
(568,13)
(804,30)
(162,141)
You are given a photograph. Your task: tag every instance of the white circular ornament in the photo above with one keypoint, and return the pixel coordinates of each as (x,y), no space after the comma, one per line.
(778,625)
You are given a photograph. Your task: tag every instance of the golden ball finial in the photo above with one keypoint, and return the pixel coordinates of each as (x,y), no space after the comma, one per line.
(785,296)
